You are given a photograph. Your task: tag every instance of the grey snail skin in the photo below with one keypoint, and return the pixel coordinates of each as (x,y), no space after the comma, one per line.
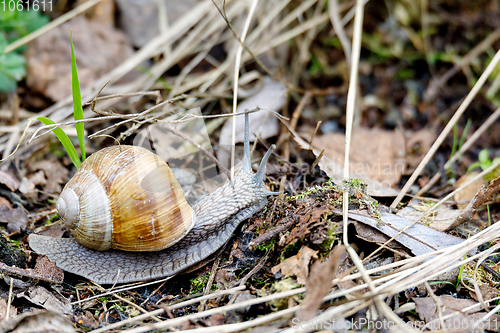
(130,222)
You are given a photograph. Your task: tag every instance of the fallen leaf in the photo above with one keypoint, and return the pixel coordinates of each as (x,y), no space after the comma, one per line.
(87,320)
(15,218)
(371,235)
(51,301)
(99,48)
(460,321)
(272,96)
(56,230)
(482,196)
(28,188)
(310,225)
(392,169)
(297,265)
(319,283)
(418,143)
(375,153)
(44,270)
(55,173)
(38,178)
(9,180)
(5,202)
(486,291)
(441,219)
(16,283)
(38,321)
(3,310)
(418,238)
(468,192)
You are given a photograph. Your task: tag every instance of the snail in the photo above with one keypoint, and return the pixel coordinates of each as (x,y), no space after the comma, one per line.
(141,226)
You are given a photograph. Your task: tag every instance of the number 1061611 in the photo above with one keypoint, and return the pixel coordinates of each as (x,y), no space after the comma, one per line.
(27,5)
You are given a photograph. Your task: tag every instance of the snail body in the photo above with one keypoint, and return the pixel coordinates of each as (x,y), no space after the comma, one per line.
(162,234)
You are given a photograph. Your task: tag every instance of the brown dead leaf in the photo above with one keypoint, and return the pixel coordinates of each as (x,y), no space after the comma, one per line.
(441,219)
(482,196)
(44,270)
(319,283)
(38,321)
(52,301)
(468,192)
(417,145)
(9,180)
(99,48)
(375,154)
(369,234)
(55,173)
(28,188)
(38,178)
(5,202)
(16,218)
(459,322)
(486,291)
(310,224)
(56,230)
(3,310)
(298,265)
(365,163)
(86,319)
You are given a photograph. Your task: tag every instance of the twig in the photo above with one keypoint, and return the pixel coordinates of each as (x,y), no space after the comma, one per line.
(9,299)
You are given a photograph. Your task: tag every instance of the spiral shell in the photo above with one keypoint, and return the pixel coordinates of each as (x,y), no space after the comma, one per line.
(125,198)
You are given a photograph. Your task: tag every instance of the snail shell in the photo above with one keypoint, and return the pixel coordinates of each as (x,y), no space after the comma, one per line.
(125,198)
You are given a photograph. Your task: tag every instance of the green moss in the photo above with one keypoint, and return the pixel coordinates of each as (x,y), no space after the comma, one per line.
(198,284)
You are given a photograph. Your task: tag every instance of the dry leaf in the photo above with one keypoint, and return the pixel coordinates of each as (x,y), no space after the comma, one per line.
(486,291)
(16,218)
(417,145)
(86,319)
(419,238)
(3,310)
(482,196)
(298,265)
(319,283)
(99,48)
(55,173)
(389,170)
(441,219)
(44,270)
(468,192)
(375,153)
(9,180)
(40,321)
(51,301)
(5,202)
(460,322)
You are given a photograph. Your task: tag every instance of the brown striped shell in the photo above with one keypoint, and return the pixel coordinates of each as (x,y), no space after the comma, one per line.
(125,198)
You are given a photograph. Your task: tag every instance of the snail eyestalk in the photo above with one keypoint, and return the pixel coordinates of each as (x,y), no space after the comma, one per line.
(247,164)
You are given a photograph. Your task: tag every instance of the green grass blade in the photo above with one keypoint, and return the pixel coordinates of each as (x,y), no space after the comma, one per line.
(66,142)
(77,101)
